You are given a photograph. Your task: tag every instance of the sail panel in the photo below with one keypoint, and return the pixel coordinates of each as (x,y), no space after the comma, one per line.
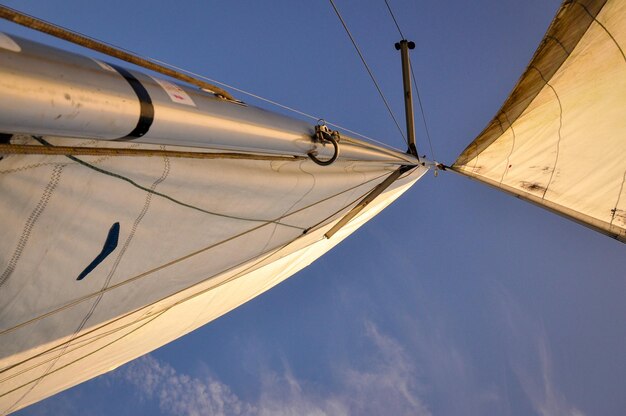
(194,239)
(558,140)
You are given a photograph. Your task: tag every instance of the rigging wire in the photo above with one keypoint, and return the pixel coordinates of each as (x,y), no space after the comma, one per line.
(419,100)
(417,91)
(394,19)
(40,25)
(267,100)
(369,71)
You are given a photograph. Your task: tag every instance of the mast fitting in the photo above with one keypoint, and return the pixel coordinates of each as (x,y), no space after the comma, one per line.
(324,135)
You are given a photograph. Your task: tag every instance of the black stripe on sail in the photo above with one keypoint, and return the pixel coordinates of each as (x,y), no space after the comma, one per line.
(146,110)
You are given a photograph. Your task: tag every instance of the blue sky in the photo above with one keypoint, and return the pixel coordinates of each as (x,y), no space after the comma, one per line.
(456,300)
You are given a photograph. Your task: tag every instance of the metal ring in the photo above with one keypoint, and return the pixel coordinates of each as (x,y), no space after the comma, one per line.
(331,139)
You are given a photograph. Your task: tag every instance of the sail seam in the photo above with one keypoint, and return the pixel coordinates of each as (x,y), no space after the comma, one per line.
(508,158)
(131,235)
(30,223)
(36,381)
(165,265)
(66,344)
(295,203)
(619,195)
(567,20)
(595,19)
(159,313)
(162,195)
(144,210)
(240,274)
(558,142)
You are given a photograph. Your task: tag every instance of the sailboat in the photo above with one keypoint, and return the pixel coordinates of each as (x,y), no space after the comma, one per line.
(141,209)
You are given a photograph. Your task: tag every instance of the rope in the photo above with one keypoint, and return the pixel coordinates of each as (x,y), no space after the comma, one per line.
(93,44)
(16,149)
(267,255)
(369,71)
(194,253)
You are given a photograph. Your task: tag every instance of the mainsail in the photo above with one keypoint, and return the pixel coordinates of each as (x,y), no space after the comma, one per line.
(558,141)
(144,209)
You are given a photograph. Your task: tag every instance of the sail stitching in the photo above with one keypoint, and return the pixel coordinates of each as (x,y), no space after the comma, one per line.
(558,42)
(295,203)
(30,223)
(619,195)
(64,345)
(131,235)
(558,143)
(36,381)
(242,273)
(78,342)
(567,20)
(148,272)
(28,167)
(162,195)
(595,19)
(508,158)
(267,255)
(169,198)
(166,309)
(496,118)
(144,210)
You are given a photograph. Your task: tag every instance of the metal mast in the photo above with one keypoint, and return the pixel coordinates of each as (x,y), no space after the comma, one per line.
(403,46)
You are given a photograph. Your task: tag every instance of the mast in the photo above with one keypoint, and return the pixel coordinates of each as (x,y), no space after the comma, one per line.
(403,46)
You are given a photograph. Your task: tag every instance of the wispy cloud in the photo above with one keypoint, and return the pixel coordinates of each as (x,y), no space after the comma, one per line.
(387,386)
(531,360)
(181,394)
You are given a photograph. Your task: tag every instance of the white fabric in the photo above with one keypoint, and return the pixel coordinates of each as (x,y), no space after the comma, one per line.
(177,265)
(567,149)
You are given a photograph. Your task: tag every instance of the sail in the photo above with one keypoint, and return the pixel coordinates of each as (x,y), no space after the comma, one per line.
(115,244)
(558,141)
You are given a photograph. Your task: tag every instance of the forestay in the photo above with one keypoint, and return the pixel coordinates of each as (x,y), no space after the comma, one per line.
(558,140)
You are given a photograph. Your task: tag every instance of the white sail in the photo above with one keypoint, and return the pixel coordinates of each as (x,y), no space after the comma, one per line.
(105,257)
(558,140)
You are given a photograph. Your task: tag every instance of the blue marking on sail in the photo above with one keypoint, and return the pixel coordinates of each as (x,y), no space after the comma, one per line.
(109,246)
